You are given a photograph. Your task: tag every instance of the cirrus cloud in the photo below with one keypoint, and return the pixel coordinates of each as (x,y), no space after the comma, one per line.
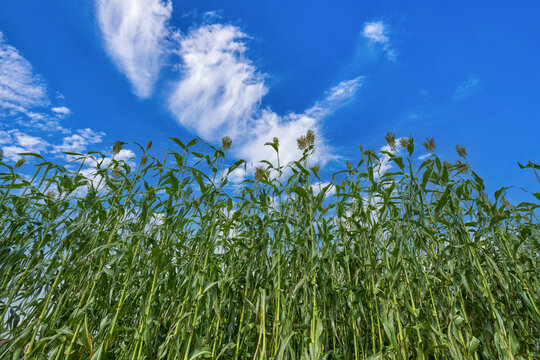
(135,33)
(220,88)
(377,33)
(219,92)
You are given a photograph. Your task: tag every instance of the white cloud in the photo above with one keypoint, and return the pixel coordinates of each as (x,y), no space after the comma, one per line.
(79,141)
(32,143)
(335,97)
(468,88)
(220,91)
(5,137)
(377,32)
(24,92)
(135,33)
(291,126)
(20,88)
(287,129)
(126,155)
(14,142)
(12,152)
(220,88)
(61,110)
(41,121)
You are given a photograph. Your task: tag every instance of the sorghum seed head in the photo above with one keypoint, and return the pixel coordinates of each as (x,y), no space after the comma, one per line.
(117,147)
(391,140)
(226,142)
(429,144)
(310,137)
(404,142)
(276,140)
(1,154)
(260,173)
(302,143)
(460,149)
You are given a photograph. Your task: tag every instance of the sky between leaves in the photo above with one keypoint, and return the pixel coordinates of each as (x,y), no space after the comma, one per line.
(78,75)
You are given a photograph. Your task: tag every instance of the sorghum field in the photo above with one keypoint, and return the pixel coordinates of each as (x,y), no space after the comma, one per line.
(166,260)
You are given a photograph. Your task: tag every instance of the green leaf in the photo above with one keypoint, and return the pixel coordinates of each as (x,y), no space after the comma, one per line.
(498,192)
(179,160)
(529,165)
(32,154)
(203,352)
(87,338)
(176,140)
(425,177)
(234,166)
(478,180)
(473,345)
(192,142)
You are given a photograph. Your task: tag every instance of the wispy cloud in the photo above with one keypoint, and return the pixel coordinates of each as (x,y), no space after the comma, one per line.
(468,88)
(79,141)
(61,110)
(220,90)
(135,33)
(20,88)
(28,114)
(287,128)
(23,93)
(377,33)
(335,97)
(13,142)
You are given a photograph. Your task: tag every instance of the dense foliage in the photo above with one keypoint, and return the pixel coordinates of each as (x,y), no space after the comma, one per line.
(166,260)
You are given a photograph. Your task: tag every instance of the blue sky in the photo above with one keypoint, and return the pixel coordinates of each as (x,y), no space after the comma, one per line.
(78,75)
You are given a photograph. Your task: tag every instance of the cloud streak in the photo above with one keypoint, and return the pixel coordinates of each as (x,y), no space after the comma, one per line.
(287,128)
(468,88)
(14,142)
(135,33)
(219,88)
(25,105)
(20,88)
(79,141)
(219,92)
(377,33)
(23,93)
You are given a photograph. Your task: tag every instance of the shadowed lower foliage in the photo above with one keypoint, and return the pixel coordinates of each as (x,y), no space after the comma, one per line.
(168,261)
